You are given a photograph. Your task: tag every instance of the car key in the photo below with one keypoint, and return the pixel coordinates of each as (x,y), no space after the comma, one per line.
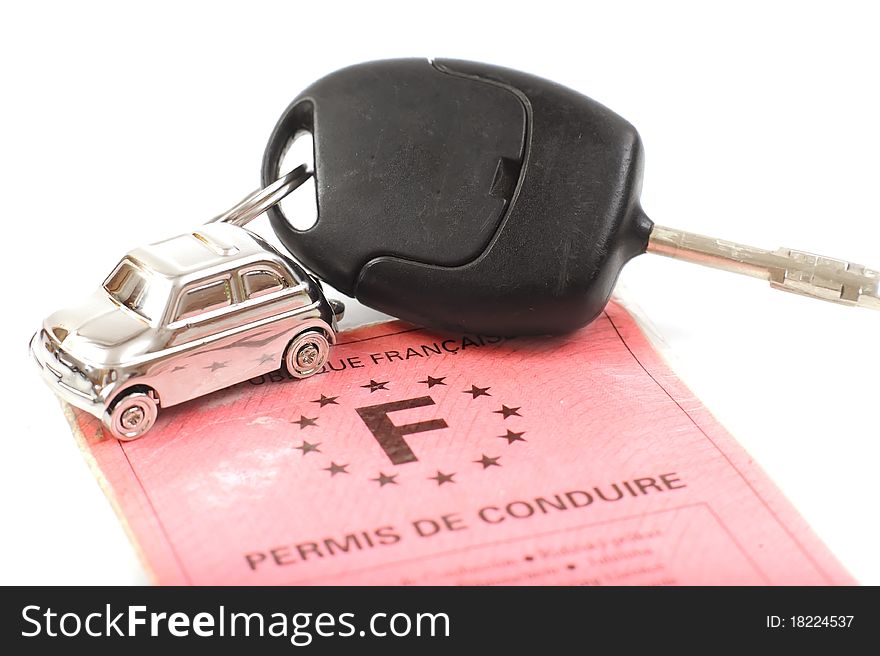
(469,197)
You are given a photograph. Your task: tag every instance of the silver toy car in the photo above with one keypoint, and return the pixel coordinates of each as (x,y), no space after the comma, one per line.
(182,318)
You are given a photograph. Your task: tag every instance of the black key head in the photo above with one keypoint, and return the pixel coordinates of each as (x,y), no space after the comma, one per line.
(464,196)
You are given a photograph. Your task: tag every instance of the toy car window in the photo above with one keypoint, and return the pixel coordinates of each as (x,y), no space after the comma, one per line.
(258,282)
(128,286)
(204,298)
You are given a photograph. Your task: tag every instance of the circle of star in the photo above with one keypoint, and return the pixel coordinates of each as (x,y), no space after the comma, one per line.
(336,469)
(487,462)
(385,479)
(512,437)
(308,447)
(304,421)
(475,391)
(506,412)
(442,478)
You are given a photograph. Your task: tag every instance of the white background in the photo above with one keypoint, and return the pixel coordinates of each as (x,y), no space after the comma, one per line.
(123,126)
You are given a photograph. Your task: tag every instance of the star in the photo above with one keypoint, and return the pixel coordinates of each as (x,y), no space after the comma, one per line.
(307,447)
(266,357)
(336,469)
(507,412)
(384,480)
(478,391)
(487,462)
(326,400)
(512,437)
(305,421)
(433,381)
(442,478)
(373,385)
(178,368)
(216,365)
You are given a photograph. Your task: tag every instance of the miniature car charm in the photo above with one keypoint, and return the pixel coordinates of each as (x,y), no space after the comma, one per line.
(185,317)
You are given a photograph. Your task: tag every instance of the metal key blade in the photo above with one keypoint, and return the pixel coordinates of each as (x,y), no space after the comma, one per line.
(790,270)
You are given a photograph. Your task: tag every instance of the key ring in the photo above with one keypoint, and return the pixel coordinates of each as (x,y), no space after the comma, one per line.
(263,199)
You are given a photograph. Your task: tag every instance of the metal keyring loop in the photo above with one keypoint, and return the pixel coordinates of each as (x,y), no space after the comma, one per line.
(263,199)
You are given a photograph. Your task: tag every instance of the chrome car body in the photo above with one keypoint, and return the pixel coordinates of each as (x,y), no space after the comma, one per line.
(182,318)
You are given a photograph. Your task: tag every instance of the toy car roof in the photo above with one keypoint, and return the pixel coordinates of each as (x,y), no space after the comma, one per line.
(211,245)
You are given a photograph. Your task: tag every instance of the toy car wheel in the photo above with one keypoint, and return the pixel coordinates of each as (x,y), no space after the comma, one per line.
(131,416)
(306,354)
